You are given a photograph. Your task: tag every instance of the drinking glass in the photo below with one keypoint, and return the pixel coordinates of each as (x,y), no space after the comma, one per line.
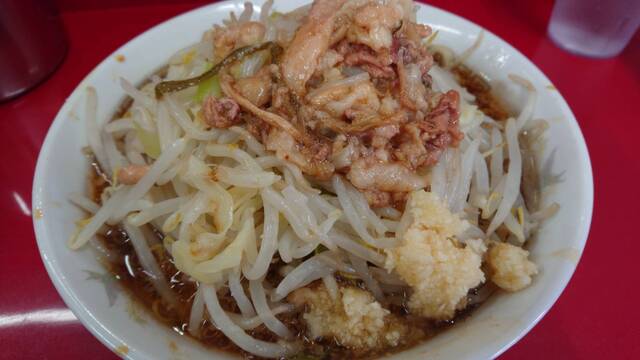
(594,28)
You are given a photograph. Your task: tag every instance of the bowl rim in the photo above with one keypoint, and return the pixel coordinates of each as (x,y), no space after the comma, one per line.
(111,341)
(587,172)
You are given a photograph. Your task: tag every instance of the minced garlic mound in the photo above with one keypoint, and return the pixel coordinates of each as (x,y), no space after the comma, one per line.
(438,268)
(355,319)
(509,266)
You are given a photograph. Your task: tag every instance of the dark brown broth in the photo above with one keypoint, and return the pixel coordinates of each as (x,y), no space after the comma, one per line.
(480,88)
(131,276)
(476,84)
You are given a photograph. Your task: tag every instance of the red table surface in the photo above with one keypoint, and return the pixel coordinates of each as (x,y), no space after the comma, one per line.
(597,315)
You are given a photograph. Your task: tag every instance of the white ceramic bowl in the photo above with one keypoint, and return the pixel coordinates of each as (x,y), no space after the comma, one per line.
(493,328)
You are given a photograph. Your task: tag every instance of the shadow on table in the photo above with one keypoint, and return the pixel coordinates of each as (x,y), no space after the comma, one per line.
(534,14)
(631,57)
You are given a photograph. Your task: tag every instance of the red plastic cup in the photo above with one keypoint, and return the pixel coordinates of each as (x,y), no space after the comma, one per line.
(32,44)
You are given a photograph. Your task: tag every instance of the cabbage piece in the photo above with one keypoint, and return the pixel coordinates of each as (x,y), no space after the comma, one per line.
(250,65)
(208,87)
(231,256)
(150,141)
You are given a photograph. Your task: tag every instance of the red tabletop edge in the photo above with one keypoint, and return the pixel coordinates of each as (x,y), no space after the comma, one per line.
(596,316)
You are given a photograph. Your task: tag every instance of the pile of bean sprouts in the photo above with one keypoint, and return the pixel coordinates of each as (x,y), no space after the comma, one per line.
(227,207)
